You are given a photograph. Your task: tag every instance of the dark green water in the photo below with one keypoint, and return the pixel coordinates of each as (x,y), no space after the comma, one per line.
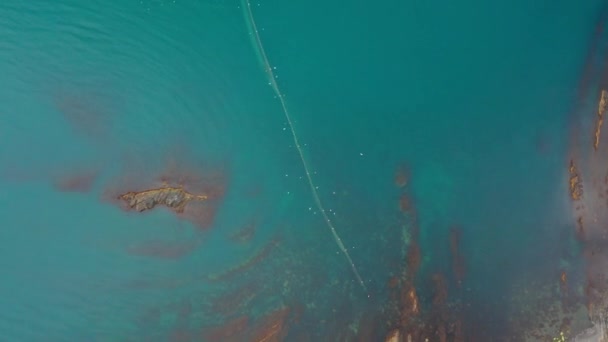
(473,97)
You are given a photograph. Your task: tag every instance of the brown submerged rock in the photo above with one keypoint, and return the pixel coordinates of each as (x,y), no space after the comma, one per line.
(576,186)
(175,198)
(601,109)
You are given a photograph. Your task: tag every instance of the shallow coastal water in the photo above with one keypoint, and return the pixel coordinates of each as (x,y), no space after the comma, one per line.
(468,107)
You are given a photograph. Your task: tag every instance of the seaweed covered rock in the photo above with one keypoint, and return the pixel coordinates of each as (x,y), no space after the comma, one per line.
(175,198)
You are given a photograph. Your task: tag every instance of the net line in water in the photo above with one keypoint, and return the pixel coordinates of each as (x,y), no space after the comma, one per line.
(259,48)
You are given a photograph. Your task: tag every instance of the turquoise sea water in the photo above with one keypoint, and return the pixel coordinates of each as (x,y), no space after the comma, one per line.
(473,97)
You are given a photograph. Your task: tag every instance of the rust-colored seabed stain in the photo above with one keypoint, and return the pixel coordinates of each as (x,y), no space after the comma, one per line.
(402,176)
(81,182)
(87,110)
(232,330)
(254,259)
(410,319)
(271,327)
(231,302)
(245,233)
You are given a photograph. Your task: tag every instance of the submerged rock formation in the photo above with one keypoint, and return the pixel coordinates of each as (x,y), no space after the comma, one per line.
(175,198)
(601,109)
